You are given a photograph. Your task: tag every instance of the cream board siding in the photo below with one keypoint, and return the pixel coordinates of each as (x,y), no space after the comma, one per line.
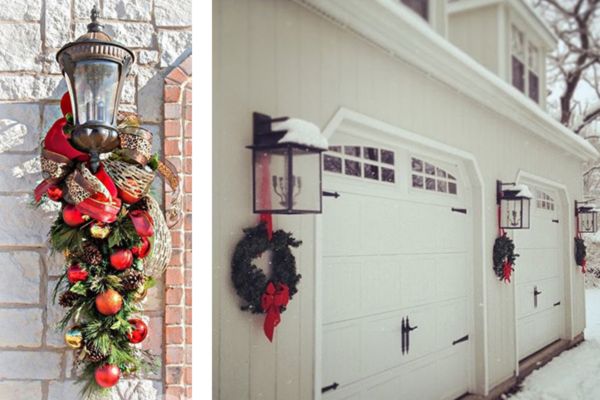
(477,32)
(281,58)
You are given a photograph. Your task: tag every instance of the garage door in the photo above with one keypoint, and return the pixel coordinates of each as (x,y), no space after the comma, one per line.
(396,278)
(539,275)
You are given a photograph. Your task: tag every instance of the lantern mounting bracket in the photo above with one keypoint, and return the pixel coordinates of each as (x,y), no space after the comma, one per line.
(263,133)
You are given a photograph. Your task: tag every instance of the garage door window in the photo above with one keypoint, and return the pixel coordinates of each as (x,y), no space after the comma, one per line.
(370,163)
(428,176)
(544,201)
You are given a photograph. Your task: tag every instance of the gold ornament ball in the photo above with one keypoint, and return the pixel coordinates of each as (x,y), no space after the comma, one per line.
(140,294)
(99,231)
(74,338)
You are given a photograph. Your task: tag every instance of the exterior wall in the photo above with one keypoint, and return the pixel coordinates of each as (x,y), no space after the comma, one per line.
(178,278)
(34,364)
(280,58)
(477,33)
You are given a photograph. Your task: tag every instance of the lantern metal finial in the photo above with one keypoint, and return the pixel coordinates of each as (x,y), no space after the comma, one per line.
(94,26)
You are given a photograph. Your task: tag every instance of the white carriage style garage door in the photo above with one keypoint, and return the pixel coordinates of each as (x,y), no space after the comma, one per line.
(396,277)
(539,275)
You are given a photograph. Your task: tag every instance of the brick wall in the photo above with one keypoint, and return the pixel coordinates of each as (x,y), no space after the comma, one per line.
(34,363)
(178,279)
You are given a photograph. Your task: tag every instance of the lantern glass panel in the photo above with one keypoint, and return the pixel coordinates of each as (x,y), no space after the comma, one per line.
(514,213)
(587,222)
(306,181)
(95,85)
(270,179)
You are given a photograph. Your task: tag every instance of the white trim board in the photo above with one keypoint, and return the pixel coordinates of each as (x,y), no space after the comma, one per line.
(346,120)
(405,36)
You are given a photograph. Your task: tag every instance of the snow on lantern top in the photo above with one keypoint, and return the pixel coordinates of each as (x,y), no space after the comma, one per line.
(301,132)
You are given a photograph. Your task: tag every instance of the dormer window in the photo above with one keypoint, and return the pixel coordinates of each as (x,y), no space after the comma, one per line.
(421,7)
(518,59)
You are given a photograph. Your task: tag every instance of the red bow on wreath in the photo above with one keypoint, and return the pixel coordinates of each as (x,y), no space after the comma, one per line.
(506,271)
(274,297)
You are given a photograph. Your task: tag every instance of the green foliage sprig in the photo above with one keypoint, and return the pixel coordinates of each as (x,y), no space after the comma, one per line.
(580,251)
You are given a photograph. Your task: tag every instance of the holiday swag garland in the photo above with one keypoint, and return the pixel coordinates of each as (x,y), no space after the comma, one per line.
(116,242)
(264,295)
(504,257)
(580,253)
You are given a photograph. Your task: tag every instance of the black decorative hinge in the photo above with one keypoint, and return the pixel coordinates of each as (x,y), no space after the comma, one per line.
(555,221)
(459,210)
(333,386)
(556,304)
(331,194)
(462,339)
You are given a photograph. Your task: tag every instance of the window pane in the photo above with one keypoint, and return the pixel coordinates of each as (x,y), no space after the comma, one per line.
(442,186)
(387,157)
(352,150)
(429,169)
(417,165)
(451,177)
(418,6)
(332,164)
(337,149)
(518,43)
(417,181)
(430,184)
(441,172)
(452,187)
(533,58)
(371,153)
(371,171)
(352,167)
(387,175)
(534,88)
(518,74)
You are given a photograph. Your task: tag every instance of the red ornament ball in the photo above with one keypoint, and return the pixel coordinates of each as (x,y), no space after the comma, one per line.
(139,332)
(109,302)
(143,249)
(107,375)
(72,216)
(76,274)
(121,259)
(54,193)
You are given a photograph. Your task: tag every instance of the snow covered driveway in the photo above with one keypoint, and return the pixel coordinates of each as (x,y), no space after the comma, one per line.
(575,374)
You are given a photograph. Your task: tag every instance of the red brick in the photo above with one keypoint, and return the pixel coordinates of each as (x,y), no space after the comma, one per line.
(173,375)
(173,128)
(187,376)
(188,129)
(187,165)
(174,355)
(173,147)
(188,278)
(176,238)
(174,276)
(172,110)
(177,75)
(186,66)
(173,315)
(188,392)
(188,297)
(188,335)
(187,258)
(187,222)
(176,258)
(173,158)
(188,240)
(174,335)
(188,115)
(188,354)
(175,393)
(187,148)
(188,316)
(172,93)
(174,296)
(188,96)
(187,184)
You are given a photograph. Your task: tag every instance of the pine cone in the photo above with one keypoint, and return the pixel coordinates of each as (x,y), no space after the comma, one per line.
(91,254)
(132,280)
(93,354)
(68,298)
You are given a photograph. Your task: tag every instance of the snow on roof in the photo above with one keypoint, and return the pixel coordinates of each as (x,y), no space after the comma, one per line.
(301,132)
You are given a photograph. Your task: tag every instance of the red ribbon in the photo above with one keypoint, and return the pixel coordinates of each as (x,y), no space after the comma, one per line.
(583,265)
(265,192)
(506,271)
(274,297)
(142,222)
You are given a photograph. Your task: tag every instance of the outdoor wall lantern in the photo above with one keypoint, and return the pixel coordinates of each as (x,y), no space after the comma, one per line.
(286,157)
(514,202)
(95,68)
(587,217)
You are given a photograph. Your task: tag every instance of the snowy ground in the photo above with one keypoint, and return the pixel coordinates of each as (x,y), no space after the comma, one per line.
(575,374)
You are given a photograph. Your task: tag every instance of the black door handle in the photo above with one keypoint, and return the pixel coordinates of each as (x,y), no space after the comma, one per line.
(403,335)
(535,295)
(333,386)
(408,330)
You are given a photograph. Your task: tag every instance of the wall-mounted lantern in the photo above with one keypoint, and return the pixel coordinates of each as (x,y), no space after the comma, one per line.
(587,217)
(514,204)
(95,68)
(286,157)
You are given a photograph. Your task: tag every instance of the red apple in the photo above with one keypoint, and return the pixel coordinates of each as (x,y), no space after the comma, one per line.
(139,332)
(72,216)
(109,302)
(76,274)
(121,259)
(107,375)
(143,249)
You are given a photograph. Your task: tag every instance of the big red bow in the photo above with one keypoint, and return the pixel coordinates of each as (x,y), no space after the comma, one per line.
(506,271)
(274,297)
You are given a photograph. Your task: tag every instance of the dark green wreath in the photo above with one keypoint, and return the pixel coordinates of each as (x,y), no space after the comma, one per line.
(580,252)
(504,249)
(249,280)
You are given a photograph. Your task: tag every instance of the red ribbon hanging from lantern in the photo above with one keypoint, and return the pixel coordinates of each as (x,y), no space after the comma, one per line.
(265,193)
(506,265)
(274,297)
